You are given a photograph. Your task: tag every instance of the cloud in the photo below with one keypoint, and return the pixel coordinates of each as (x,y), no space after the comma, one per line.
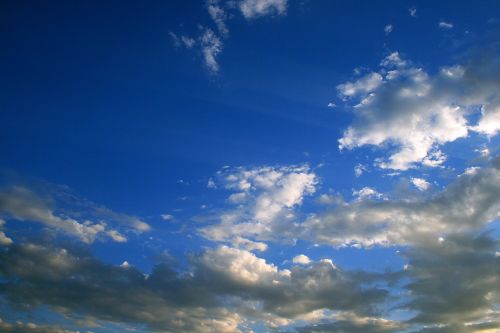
(455,284)
(23,204)
(211,46)
(20,327)
(221,290)
(256,8)
(264,196)
(470,203)
(445,25)
(420,183)
(407,109)
(218,15)
(388,29)
(367,193)
(301,259)
(167,217)
(359,169)
(413,11)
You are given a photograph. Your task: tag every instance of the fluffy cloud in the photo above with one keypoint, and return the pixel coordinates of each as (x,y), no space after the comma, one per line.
(470,203)
(420,183)
(256,8)
(264,197)
(415,112)
(23,204)
(445,25)
(301,259)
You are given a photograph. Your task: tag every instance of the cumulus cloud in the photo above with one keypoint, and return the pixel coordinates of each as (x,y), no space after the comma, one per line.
(23,204)
(470,203)
(414,112)
(264,197)
(301,259)
(256,8)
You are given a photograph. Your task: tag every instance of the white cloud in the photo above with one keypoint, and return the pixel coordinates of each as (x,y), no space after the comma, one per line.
(256,8)
(249,245)
(264,196)
(4,240)
(388,29)
(211,46)
(367,193)
(445,25)
(413,11)
(167,217)
(359,169)
(218,15)
(415,113)
(301,259)
(420,183)
(365,84)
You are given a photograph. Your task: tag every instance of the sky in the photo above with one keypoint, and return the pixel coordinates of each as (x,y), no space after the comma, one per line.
(250,166)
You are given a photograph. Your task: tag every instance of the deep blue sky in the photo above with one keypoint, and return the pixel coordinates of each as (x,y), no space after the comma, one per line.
(103,105)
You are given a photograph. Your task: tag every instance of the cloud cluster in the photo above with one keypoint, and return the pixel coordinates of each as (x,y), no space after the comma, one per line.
(263,200)
(416,112)
(20,327)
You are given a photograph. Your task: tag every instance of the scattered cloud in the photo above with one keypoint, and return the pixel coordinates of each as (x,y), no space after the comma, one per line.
(445,25)
(388,29)
(23,204)
(211,46)
(413,11)
(256,8)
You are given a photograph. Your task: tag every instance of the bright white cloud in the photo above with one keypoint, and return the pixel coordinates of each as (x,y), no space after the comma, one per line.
(415,112)
(367,193)
(420,183)
(388,29)
(256,8)
(301,259)
(263,197)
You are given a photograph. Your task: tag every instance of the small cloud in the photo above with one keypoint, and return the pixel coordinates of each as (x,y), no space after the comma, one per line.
(256,8)
(359,169)
(420,183)
(301,259)
(331,105)
(445,25)
(125,264)
(211,183)
(388,29)
(413,11)
(167,217)
(367,193)
(211,47)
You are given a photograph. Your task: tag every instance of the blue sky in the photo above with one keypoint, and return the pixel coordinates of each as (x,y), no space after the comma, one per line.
(250,166)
